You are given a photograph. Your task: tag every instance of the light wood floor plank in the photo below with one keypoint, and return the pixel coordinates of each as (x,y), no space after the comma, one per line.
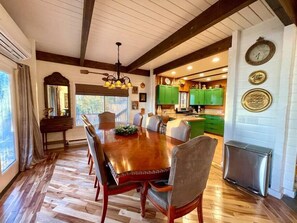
(60,190)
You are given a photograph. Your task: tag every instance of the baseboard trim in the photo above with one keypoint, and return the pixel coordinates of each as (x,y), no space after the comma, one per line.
(9,185)
(275,193)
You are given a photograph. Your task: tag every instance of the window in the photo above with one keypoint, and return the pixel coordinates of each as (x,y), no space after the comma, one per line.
(7,147)
(92,100)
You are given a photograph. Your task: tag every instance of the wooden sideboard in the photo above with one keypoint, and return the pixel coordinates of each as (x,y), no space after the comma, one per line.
(56,124)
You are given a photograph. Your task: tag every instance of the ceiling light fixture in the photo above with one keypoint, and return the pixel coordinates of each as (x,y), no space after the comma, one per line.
(173,72)
(189,67)
(225,69)
(185,78)
(216,59)
(208,79)
(201,75)
(118,80)
(224,76)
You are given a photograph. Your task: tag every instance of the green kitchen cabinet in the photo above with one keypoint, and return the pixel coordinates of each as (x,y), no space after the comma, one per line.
(214,124)
(197,96)
(167,95)
(214,96)
(197,128)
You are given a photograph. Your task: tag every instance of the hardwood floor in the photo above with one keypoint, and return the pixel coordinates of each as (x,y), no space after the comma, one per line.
(68,196)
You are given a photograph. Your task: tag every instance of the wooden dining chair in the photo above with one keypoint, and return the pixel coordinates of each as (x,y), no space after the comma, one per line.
(178,129)
(153,123)
(182,193)
(104,177)
(137,120)
(106,117)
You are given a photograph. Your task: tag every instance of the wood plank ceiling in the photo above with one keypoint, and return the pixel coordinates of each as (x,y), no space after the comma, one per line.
(56,25)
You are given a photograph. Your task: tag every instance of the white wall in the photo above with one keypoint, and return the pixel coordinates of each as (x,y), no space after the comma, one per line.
(291,145)
(72,73)
(267,128)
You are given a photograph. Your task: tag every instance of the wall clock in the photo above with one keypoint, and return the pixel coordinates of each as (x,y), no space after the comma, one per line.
(260,52)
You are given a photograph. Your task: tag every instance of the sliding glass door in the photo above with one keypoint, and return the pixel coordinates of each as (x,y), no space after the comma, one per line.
(8,152)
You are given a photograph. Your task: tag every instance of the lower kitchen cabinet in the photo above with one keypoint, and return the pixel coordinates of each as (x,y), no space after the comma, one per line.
(214,124)
(197,128)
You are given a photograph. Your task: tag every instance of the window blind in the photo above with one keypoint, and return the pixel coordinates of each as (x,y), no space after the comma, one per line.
(86,89)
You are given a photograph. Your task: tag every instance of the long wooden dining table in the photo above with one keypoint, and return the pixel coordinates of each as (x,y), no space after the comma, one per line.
(143,156)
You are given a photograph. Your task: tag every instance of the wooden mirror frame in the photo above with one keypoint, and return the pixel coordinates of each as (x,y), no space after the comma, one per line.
(56,78)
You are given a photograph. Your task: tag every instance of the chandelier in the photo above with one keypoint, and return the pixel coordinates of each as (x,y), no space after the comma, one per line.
(117,80)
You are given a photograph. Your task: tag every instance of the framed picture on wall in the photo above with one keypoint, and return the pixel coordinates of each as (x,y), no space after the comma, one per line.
(142,97)
(134,90)
(135,105)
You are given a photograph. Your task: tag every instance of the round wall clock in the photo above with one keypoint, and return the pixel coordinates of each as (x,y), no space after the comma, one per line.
(260,52)
(167,81)
(257,77)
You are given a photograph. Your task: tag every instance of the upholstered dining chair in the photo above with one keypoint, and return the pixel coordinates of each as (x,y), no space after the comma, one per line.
(103,173)
(89,154)
(106,117)
(178,129)
(150,114)
(153,123)
(137,120)
(183,191)
(164,119)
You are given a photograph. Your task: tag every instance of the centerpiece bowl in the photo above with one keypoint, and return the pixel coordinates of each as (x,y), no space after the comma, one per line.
(126,130)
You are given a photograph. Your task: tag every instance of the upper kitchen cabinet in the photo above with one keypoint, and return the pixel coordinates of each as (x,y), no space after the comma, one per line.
(167,95)
(197,97)
(214,96)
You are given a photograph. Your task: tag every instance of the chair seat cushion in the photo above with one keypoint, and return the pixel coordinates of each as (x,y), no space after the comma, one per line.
(159,197)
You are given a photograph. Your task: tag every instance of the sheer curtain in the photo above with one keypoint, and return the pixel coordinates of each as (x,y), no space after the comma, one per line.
(29,136)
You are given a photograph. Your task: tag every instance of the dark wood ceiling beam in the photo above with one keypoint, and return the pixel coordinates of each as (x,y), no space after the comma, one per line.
(210,50)
(286,10)
(214,14)
(56,58)
(86,24)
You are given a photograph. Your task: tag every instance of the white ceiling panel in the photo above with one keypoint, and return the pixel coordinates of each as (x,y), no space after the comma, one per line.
(55,24)
(139,24)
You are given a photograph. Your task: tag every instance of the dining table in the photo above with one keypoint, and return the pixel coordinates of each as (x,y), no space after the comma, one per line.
(142,157)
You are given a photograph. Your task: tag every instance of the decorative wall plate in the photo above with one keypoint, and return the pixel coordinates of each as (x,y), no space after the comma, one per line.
(142,85)
(256,100)
(258,77)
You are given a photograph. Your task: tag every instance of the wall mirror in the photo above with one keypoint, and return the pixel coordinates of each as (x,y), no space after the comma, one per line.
(57,95)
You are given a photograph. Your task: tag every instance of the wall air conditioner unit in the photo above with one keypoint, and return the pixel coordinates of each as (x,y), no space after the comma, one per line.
(13,43)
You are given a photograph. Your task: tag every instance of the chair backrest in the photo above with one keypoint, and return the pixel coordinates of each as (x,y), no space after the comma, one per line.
(98,155)
(190,166)
(164,119)
(85,119)
(137,120)
(178,129)
(153,123)
(106,117)
(150,114)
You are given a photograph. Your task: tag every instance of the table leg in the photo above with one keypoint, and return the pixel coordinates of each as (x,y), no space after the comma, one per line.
(143,197)
(64,138)
(45,135)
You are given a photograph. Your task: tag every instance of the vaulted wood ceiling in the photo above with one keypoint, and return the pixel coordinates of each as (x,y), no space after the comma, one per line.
(153,32)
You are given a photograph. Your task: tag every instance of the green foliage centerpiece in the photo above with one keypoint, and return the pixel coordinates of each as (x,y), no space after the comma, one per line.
(126,130)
